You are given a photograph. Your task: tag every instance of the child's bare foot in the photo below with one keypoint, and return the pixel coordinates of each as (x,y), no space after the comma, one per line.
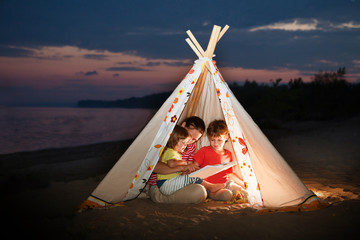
(217,187)
(212,187)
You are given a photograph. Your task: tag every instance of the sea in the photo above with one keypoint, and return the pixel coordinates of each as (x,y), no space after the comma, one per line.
(36,128)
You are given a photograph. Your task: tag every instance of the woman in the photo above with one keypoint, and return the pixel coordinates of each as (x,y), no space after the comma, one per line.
(193,193)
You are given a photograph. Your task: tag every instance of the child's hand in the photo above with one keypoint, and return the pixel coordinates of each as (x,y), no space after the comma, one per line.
(192,168)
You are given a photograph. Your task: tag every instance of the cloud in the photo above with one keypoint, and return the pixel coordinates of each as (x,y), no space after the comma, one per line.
(126,69)
(153,63)
(206,23)
(178,63)
(329,63)
(307,25)
(170,63)
(96,56)
(148,65)
(348,25)
(89,73)
(41,53)
(126,63)
(12,51)
(356,63)
(295,25)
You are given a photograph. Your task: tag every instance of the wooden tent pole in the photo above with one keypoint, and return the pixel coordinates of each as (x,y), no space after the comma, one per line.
(213,40)
(192,37)
(223,31)
(194,48)
(203,79)
(197,92)
(215,37)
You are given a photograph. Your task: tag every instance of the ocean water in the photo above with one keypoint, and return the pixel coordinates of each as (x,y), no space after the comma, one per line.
(35,128)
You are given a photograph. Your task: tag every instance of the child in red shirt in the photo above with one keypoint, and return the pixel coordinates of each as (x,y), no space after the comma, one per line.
(218,134)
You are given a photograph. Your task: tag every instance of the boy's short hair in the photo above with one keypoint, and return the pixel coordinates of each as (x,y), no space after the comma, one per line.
(177,134)
(217,128)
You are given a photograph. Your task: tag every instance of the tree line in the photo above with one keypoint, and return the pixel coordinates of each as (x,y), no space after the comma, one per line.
(327,96)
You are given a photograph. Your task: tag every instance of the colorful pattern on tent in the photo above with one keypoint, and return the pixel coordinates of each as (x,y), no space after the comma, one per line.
(238,140)
(167,126)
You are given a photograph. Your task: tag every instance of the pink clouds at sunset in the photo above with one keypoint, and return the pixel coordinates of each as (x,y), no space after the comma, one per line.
(55,66)
(52,66)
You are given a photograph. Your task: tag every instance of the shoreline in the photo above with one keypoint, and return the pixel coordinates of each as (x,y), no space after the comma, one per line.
(37,169)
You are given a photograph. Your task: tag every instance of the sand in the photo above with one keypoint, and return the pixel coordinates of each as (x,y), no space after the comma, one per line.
(41,191)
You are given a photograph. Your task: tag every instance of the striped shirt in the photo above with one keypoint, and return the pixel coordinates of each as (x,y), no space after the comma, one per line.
(187,155)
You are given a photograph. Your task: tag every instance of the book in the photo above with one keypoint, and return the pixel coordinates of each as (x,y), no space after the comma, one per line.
(210,170)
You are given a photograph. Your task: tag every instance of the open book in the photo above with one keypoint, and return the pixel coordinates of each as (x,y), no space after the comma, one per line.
(210,170)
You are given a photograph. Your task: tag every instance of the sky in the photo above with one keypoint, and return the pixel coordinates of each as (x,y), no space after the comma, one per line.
(56,52)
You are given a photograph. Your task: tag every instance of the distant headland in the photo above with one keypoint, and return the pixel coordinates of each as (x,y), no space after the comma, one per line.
(153,101)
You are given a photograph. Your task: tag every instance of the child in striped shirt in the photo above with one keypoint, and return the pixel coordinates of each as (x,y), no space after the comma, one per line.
(170,183)
(196,128)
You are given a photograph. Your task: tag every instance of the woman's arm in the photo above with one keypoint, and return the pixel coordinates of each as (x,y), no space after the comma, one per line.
(174,163)
(162,168)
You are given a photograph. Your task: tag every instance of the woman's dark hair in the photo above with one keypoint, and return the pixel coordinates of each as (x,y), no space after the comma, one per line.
(195,123)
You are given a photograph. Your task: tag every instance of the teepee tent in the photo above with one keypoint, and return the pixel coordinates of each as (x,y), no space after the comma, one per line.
(268,179)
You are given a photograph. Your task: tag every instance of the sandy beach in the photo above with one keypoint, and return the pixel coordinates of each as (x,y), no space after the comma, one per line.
(40,193)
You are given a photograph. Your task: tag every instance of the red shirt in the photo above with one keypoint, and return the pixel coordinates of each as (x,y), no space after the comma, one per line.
(207,156)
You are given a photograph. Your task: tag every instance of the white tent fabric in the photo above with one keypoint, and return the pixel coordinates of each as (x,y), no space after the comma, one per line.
(269,180)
